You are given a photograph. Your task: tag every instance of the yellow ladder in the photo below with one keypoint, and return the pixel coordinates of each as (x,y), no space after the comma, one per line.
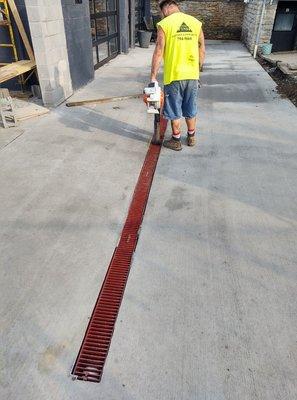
(5,21)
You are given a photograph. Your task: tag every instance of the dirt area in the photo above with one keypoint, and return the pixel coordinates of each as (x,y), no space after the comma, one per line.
(286,85)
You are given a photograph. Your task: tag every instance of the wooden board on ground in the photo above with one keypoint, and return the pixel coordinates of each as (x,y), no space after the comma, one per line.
(15,69)
(25,110)
(103,100)
(18,94)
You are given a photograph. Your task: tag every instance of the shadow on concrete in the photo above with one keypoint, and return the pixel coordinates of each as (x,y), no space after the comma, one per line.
(84,119)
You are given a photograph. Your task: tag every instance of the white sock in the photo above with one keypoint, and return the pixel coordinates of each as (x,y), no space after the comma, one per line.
(176,136)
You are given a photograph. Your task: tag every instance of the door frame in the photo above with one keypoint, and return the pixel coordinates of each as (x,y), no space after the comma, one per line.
(282,5)
(109,37)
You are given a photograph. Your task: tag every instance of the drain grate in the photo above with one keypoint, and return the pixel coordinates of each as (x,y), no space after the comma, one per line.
(95,346)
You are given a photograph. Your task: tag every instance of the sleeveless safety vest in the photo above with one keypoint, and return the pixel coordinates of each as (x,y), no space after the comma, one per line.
(181,55)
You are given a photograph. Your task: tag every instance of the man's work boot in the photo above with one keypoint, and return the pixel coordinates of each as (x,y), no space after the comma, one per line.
(173,144)
(191,140)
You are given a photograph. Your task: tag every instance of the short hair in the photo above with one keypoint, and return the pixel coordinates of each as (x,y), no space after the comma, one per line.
(164,3)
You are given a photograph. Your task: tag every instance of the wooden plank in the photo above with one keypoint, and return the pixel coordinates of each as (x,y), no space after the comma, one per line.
(103,100)
(18,94)
(33,115)
(15,69)
(30,111)
(21,29)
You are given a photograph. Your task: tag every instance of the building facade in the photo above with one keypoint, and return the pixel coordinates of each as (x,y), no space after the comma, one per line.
(72,38)
(270,21)
(252,21)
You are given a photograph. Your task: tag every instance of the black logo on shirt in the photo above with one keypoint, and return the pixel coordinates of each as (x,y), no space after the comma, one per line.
(184,28)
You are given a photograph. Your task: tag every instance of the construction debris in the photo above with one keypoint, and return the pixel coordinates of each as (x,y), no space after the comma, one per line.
(17,109)
(286,61)
(25,110)
(7,110)
(18,94)
(286,84)
(288,69)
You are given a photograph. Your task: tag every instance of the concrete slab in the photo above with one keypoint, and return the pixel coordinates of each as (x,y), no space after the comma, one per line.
(285,60)
(210,307)
(66,183)
(283,56)
(288,69)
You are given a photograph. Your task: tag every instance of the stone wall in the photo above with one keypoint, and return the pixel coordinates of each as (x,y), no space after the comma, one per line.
(222,19)
(251,22)
(50,48)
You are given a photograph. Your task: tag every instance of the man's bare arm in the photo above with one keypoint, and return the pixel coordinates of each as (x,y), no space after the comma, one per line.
(201,44)
(158,54)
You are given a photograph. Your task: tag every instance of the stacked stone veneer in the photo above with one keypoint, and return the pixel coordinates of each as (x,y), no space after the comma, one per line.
(50,48)
(222,19)
(251,22)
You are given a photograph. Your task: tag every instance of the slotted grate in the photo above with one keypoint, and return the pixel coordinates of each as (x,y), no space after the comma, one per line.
(95,346)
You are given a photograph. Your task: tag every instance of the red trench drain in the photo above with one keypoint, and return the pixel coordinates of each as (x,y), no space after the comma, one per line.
(95,346)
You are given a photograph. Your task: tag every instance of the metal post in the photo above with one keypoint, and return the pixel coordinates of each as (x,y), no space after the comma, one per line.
(259,29)
(124,25)
(147,8)
(132,22)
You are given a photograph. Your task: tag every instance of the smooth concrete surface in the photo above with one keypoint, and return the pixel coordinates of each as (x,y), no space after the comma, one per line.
(209,311)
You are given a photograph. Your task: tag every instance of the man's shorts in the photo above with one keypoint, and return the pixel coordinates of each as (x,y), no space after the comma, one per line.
(181,99)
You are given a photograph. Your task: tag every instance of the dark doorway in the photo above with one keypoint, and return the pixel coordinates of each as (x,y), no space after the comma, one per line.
(284,32)
(105,30)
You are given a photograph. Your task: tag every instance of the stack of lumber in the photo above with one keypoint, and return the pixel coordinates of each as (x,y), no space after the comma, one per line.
(15,69)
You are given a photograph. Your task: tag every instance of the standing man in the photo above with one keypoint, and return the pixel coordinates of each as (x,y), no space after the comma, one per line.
(180,42)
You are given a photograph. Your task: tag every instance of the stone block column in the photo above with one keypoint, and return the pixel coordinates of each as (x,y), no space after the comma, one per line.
(251,22)
(49,42)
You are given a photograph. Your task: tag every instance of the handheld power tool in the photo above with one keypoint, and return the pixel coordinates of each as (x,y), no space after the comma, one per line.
(154,98)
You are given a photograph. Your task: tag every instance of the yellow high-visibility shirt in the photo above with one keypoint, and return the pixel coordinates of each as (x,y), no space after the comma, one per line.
(181,55)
